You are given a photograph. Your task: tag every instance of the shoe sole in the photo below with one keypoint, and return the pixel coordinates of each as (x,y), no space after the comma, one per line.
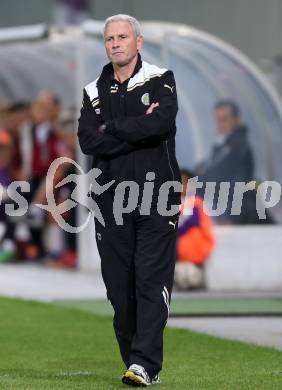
(129,378)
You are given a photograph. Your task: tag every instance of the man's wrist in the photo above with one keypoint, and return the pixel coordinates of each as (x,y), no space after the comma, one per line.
(102,128)
(109,127)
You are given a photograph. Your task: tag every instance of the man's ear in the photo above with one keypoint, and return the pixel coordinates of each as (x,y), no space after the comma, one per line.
(140,41)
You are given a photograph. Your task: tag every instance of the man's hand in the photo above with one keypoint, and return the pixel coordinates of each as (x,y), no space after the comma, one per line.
(151,108)
(102,128)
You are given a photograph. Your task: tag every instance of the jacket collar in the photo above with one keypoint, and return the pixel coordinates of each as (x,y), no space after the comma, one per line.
(107,72)
(138,65)
(104,84)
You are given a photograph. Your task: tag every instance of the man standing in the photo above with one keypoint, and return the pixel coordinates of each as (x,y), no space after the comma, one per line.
(231,161)
(127,124)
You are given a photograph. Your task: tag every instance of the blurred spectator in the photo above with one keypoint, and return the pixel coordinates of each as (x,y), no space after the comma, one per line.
(231,161)
(195,239)
(14,118)
(68,257)
(33,138)
(7,245)
(46,146)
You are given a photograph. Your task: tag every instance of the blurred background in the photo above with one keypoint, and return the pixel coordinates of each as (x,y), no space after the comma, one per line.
(227,61)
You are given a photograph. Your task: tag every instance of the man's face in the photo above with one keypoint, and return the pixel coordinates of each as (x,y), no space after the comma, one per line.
(44,109)
(225,120)
(121,43)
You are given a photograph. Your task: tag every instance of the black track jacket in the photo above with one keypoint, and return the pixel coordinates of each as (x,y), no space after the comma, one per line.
(133,143)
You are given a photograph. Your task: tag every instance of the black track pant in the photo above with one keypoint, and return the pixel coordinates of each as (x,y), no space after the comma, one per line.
(137,261)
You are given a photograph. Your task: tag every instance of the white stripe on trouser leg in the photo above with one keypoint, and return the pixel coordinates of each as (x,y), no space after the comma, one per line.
(165,289)
(166,299)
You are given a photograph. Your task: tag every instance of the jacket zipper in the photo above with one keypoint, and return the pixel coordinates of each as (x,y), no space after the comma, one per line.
(169,162)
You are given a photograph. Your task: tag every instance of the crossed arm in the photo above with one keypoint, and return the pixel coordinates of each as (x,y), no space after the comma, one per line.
(123,135)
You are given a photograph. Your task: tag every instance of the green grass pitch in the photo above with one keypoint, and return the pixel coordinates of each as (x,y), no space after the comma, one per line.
(208,306)
(46,346)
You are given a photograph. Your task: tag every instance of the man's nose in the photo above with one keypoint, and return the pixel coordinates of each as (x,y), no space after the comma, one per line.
(115,43)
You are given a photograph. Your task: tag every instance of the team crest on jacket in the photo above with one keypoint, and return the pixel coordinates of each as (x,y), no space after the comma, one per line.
(145,99)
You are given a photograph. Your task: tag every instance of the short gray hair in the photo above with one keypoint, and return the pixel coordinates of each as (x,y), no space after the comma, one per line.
(124,18)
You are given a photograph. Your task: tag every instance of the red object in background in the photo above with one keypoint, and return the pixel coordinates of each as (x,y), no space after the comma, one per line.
(68,260)
(44,153)
(5,138)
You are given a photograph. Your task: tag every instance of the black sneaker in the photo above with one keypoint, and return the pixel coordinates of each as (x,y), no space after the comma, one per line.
(136,376)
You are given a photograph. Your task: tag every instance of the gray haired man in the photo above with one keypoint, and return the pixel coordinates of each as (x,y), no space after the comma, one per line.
(127,124)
